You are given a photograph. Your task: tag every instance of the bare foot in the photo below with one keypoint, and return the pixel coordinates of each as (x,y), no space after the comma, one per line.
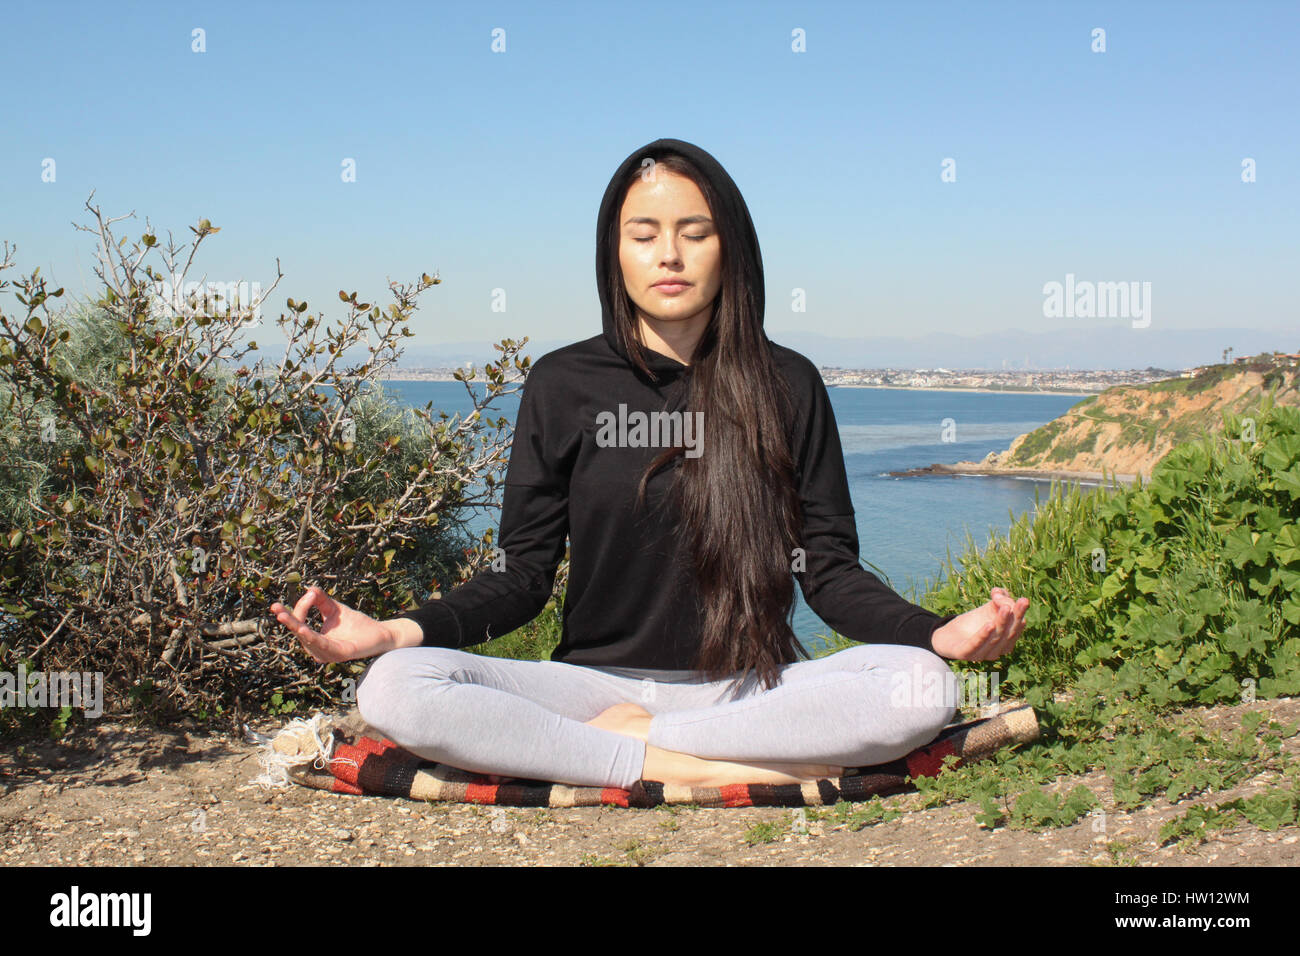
(630,720)
(668,766)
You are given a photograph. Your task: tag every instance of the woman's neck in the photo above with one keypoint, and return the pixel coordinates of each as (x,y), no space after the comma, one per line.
(676,338)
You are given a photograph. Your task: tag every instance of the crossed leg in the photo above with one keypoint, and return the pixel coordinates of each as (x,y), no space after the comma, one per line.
(554,721)
(862,706)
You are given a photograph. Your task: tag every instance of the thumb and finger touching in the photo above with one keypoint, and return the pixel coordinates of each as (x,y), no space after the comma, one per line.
(316,644)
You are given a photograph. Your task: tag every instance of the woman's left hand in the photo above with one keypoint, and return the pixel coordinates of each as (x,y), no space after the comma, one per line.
(985,633)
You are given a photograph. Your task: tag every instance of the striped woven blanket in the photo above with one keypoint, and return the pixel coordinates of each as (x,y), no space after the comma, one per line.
(344,755)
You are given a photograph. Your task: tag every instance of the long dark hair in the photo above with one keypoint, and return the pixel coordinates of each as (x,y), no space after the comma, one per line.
(738,510)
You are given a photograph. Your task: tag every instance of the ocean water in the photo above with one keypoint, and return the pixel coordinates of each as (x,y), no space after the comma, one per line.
(906,526)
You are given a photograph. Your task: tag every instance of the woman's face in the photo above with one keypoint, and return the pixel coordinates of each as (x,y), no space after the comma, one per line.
(667,233)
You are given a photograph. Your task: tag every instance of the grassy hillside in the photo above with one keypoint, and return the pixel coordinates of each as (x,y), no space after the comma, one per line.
(1128,429)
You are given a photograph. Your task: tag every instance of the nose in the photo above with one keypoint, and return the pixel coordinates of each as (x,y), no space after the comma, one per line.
(670,254)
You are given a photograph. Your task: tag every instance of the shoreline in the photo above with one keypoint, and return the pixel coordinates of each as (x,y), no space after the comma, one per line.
(903,388)
(972,470)
(971,388)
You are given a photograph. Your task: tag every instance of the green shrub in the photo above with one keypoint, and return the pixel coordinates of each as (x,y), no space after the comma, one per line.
(1182,591)
(159,493)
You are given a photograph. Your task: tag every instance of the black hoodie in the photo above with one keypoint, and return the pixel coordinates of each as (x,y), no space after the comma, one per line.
(631,599)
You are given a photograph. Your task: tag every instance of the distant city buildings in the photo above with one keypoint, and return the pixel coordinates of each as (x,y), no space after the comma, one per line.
(1010,380)
(1066,380)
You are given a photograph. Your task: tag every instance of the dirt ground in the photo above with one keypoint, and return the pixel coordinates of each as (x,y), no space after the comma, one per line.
(111,796)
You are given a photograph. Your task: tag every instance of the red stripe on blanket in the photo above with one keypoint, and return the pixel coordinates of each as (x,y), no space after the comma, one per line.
(377,747)
(347,761)
(736,795)
(481,792)
(342,787)
(614,795)
(928,761)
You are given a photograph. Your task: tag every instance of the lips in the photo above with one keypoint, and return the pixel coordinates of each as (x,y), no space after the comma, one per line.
(672,285)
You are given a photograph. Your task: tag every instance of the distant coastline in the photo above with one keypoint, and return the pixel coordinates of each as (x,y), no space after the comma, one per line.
(971,388)
(969,470)
(1012,390)
(1124,432)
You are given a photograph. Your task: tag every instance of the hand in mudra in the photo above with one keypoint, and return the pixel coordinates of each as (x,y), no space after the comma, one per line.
(985,633)
(345,634)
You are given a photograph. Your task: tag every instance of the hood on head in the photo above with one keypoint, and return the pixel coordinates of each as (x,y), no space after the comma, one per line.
(729,196)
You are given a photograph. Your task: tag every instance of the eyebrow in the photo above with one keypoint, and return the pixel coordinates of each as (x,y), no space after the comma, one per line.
(650,221)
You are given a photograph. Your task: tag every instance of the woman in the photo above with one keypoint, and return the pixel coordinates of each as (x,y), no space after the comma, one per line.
(697,471)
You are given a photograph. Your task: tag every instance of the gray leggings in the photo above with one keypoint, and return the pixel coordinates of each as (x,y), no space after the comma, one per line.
(863,705)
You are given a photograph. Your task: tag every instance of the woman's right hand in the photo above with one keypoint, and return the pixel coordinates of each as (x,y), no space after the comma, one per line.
(346,634)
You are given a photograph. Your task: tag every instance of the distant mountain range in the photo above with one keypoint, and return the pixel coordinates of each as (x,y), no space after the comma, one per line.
(1095,347)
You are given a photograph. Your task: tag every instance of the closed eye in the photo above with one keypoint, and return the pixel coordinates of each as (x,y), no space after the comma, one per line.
(651,238)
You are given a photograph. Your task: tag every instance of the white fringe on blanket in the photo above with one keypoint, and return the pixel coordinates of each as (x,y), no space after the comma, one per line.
(294,744)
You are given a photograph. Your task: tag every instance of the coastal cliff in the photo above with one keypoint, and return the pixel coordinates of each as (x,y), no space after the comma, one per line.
(1122,432)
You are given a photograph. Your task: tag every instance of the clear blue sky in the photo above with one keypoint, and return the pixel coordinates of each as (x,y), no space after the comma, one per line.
(1115,166)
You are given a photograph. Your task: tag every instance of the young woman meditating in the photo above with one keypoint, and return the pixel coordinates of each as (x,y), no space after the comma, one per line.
(687,531)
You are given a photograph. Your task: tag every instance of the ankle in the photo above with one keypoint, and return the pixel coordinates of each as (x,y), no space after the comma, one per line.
(672,767)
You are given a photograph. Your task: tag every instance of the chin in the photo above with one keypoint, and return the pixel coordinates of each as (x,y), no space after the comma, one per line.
(678,308)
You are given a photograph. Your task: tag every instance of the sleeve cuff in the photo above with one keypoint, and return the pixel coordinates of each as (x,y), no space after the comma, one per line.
(438,622)
(917,630)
